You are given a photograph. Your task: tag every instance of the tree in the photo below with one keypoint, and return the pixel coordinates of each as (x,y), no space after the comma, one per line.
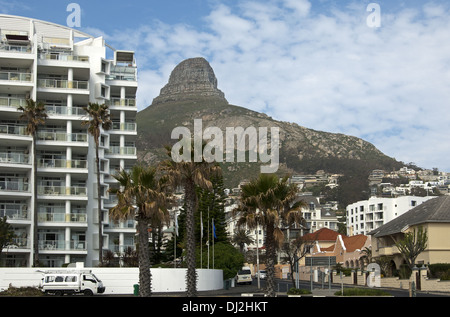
(366,255)
(35,115)
(99,119)
(412,244)
(189,174)
(297,249)
(265,201)
(6,234)
(241,238)
(141,196)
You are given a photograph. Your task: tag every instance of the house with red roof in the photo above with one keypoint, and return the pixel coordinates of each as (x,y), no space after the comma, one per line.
(346,249)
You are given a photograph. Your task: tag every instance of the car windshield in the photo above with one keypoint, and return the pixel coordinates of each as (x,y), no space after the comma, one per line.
(242,272)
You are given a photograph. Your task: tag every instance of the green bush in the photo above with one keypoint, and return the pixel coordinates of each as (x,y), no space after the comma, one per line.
(362,292)
(440,270)
(298,291)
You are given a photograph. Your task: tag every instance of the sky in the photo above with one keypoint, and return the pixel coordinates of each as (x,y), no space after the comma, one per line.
(380,73)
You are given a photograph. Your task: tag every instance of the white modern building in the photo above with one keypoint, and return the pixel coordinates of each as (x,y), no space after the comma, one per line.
(367,215)
(66,69)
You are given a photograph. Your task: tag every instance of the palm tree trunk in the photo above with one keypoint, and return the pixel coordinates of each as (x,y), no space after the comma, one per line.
(99,206)
(145,276)
(191,275)
(35,261)
(270,260)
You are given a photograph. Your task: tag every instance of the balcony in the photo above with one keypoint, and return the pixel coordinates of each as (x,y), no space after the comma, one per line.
(62,137)
(13,129)
(15,48)
(15,212)
(125,150)
(61,110)
(61,245)
(14,184)
(76,191)
(62,217)
(62,163)
(63,57)
(15,158)
(12,102)
(63,84)
(127,102)
(125,126)
(19,243)
(123,73)
(16,76)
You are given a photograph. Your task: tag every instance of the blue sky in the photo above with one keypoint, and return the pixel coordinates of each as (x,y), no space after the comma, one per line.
(313,62)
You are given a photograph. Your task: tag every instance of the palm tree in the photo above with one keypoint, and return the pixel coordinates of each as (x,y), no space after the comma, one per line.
(35,115)
(189,175)
(241,238)
(266,201)
(141,196)
(99,119)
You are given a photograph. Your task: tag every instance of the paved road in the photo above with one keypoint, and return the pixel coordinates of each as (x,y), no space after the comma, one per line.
(282,286)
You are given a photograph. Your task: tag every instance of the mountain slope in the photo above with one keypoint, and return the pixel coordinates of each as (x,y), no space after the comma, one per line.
(192,94)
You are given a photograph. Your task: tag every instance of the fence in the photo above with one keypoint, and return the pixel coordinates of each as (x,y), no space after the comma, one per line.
(359,278)
(121,281)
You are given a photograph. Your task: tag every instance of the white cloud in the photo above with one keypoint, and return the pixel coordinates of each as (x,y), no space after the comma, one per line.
(327,71)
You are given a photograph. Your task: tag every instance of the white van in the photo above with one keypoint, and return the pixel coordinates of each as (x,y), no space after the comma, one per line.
(244,276)
(71,282)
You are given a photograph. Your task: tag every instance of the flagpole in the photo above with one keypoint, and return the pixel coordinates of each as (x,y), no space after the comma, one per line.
(175,239)
(201,239)
(208,238)
(212,238)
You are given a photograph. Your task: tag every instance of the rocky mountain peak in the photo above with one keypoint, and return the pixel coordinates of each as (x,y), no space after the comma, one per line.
(192,78)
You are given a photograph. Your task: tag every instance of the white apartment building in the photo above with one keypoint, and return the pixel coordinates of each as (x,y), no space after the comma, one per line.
(367,215)
(66,69)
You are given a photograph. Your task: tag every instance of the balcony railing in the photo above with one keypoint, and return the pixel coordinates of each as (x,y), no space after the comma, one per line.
(12,102)
(125,126)
(62,191)
(14,184)
(64,57)
(16,48)
(126,150)
(127,73)
(61,163)
(20,243)
(62,136)
(17,213)
(62,217)
(13,129)
(15,158)
(65,84)
(127,102)
(16,76)
(58,110)
(61,245)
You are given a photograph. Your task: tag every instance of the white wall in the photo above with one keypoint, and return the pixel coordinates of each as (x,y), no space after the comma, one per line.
(121,280)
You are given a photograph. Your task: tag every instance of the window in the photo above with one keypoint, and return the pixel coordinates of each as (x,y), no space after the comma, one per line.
(71,278)
(59,279)
(49,279)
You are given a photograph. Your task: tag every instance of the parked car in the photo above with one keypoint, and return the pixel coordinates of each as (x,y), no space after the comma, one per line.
(262,274)
(244,277)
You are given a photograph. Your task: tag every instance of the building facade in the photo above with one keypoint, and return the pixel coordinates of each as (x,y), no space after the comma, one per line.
(367,215)
(66,70)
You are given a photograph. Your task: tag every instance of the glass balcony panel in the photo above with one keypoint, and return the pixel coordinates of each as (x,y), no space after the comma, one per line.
(15,158)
